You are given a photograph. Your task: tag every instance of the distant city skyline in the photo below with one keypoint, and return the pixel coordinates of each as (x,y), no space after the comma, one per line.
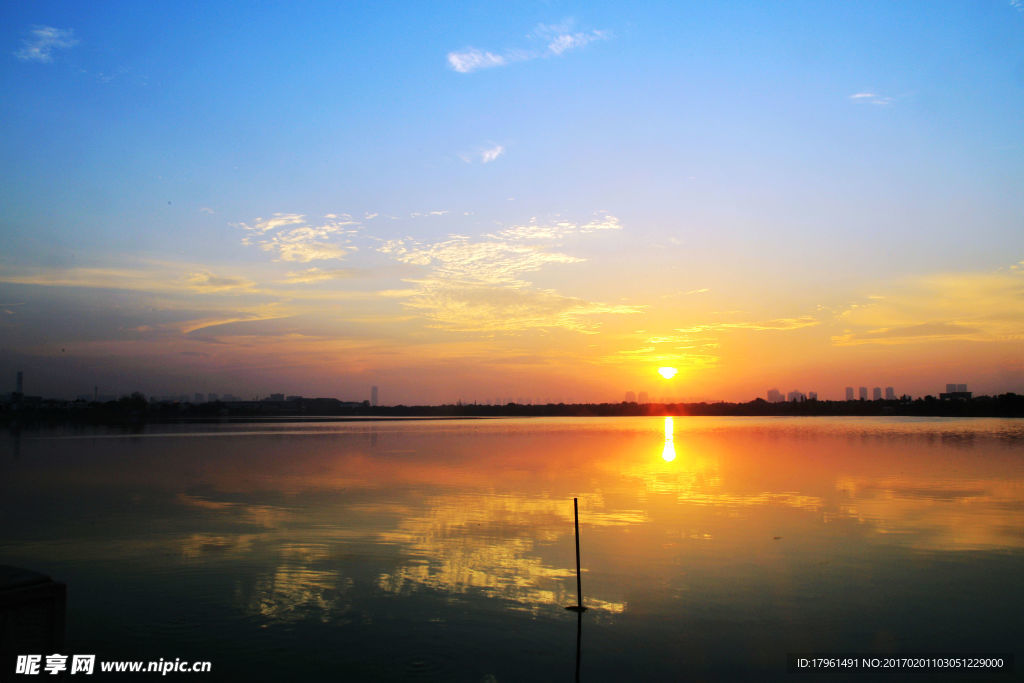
(772,395)
(544,199)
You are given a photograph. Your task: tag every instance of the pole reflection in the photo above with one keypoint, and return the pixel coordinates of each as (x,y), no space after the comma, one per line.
(579,642)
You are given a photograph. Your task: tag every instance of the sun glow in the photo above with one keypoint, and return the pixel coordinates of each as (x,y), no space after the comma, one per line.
(667,373)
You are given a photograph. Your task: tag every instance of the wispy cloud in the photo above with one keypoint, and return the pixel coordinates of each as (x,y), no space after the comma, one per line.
(761,326)
(978,306)
(472,59)
(99,278)
(489,262)
(483,155)
(697,346)
(555,231)
(691,356)
(489,155)
(871,98)
(42,42)
(292,238)
(465,307)
(561,38)
(278,220)
(689,292)
(478,284)
(900,334)
(206,281)
(311,275)
(546,40)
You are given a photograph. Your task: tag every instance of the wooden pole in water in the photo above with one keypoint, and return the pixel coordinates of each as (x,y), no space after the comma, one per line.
(579,583)
(578,607)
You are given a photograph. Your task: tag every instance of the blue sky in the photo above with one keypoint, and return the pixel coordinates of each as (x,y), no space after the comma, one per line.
(785,158)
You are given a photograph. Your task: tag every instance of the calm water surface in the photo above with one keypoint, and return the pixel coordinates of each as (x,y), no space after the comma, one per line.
(423,550)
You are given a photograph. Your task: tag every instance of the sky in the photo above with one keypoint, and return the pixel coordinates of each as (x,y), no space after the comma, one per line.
(491,201)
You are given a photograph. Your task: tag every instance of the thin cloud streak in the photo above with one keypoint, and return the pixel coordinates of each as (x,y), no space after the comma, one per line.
(557,39)
(205,281)
(871,98)
(472,59)
(778,324)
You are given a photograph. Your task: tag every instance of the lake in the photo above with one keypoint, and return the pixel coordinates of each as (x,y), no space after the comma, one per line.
(444,550)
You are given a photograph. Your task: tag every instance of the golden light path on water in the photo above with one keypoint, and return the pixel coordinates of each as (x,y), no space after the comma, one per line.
(668,454)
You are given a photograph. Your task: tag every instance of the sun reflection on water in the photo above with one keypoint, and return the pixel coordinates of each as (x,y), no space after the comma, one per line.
(668,454)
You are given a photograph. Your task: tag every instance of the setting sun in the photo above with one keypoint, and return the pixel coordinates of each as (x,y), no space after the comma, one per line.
(667,373)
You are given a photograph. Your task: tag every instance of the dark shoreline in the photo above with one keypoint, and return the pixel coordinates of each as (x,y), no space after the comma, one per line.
(28,411)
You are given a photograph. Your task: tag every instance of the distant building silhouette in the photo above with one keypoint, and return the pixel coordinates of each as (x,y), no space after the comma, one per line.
(890,394)
(775,396)
(812,395)
(630,397)
(862,393)
(642,398)
(795,396)
(955,392)
(849,393)
(876,394)
(373,396)
(19,387)
(198,397)
(276,397)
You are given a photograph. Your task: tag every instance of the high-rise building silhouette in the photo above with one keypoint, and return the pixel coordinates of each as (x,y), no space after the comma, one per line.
(642,397)
(18,384)
(775,396)
(876,394)
(862,393)
(890,394)
(955,392)
(630,397)
(373,396)
(849,393)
